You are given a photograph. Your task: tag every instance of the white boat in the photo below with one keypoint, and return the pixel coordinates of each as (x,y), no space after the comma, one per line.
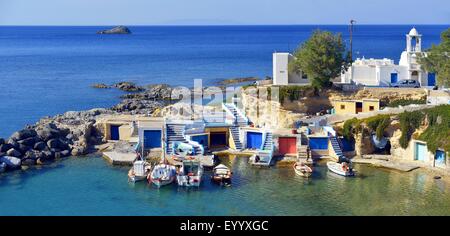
(190,173)
(139,171)
(302,169)
(343,169)
(162,175)
(222,175)
(261,159)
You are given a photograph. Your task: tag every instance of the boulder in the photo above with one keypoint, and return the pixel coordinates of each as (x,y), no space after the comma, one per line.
(13,153)
(101,86)
(78,151)
(49,131)
(5,147)
(29,162)
(65,153)
(28,141)
(53,143)
(2,141)
(47,155)
(116,30)
(13,143)
(40,146)
(11,162)
(128,87)
(24,134)
(30,155)
(23,148)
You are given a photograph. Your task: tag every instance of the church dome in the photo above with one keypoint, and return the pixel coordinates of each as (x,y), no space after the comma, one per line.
(413,32)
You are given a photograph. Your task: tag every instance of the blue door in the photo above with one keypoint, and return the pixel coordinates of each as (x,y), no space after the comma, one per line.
(394,78)
(439,158)
(201,139)
(152,139)
(318,143)
(254,140)
(421,152)
(115,132)
(431,79)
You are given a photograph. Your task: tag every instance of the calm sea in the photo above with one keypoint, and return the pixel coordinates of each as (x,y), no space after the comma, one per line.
(48,70)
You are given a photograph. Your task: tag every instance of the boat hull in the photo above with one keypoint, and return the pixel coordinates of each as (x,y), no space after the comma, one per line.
(162,175)
(160,183)
(189,181)
(306,171)
(338,169)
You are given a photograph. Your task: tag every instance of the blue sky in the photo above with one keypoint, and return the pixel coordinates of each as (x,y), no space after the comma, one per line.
(235,12)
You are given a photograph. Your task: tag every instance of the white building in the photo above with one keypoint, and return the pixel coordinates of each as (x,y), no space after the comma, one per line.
(281,75)
(383,72)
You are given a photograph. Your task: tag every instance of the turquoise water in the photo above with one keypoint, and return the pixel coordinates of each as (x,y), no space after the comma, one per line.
(90,186)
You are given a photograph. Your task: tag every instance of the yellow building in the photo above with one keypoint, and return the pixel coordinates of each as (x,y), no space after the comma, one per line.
(356,106)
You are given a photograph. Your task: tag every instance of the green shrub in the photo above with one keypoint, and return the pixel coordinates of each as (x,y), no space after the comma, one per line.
(409,122)
(437,134)
(293,93)
(406,102)
(349,128)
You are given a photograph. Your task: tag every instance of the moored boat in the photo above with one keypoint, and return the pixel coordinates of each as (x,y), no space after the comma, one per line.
(139,171)
(222,175)
(190,173)
(303,170)
(343,168)
(162,175)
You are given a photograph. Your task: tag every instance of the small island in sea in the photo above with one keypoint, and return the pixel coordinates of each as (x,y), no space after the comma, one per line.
(116,30)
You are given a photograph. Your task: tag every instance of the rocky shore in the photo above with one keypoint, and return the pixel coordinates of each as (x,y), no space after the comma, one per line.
(74,133)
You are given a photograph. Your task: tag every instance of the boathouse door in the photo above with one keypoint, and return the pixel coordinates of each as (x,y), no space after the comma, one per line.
(439,159)
(114,129)
(152,139)
(420,152)
(218,139)
(287,145)
(254,140)
(201,139)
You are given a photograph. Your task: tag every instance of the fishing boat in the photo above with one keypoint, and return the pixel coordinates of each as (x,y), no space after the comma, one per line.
(343,169)
(162,175)
(222,175)
(262,158)
(190,173)
(302,169)
(139,171)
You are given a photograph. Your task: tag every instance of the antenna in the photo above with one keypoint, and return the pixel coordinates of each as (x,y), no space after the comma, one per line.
(352,22)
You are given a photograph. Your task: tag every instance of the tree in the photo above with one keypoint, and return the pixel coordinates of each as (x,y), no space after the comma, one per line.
(437,60)
(321,58)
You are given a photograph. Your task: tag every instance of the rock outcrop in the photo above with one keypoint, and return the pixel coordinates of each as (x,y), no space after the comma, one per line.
(128,87)
(116,30)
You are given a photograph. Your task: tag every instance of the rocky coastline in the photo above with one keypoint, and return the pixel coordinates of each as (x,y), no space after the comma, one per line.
(74,133)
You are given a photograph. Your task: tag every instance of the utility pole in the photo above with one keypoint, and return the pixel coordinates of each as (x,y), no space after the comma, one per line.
(351,38)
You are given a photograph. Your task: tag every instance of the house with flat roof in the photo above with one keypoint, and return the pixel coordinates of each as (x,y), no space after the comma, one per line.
(281,73)
(356,106)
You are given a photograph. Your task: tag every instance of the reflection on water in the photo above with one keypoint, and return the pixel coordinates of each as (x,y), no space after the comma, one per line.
(89,186)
